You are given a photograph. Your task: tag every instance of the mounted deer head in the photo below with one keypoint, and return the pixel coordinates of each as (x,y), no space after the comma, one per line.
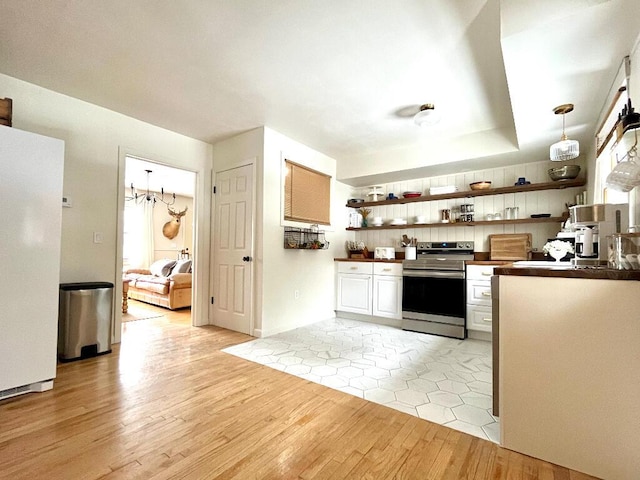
(172,227)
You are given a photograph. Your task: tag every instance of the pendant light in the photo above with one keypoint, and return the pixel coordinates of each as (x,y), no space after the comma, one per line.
(427,116)
(565,149)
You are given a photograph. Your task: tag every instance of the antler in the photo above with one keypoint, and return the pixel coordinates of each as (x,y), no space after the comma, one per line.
(173,213)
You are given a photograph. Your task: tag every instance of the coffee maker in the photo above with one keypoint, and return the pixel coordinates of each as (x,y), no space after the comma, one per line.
(592,224)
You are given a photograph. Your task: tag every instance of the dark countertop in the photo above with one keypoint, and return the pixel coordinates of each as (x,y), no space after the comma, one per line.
(377,260)
(489,262)
(589,273)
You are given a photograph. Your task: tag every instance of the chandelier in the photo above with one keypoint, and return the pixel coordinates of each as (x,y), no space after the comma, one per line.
(151,197)
(565,149)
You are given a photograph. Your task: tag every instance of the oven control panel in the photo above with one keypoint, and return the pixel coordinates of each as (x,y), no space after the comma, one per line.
(445,246)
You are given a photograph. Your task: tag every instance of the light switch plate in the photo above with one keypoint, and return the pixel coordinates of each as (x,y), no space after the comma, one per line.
(98,237)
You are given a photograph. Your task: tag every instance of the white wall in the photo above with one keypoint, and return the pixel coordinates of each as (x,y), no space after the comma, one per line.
(310,272)
(548,201)
(278,272)
(169,248)
(434,151)
(95,141)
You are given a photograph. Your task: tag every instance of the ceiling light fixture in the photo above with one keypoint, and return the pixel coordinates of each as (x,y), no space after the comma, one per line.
(150,197)
(427,116)
(565,149)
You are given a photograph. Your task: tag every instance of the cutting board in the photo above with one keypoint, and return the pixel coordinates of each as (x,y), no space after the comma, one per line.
(510,246)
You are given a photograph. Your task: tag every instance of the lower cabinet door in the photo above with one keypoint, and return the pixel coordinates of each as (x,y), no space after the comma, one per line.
(479,318)
(354,293)
(387,296)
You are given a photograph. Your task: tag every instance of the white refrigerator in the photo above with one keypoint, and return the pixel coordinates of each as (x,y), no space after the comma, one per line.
(31,171)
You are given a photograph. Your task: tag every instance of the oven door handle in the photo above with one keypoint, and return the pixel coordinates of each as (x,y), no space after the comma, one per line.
(432,274)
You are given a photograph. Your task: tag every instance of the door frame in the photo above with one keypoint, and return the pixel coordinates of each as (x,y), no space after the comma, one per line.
(254,263)
(199,255)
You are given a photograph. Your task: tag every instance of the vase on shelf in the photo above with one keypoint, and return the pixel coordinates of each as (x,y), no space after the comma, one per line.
(364,222)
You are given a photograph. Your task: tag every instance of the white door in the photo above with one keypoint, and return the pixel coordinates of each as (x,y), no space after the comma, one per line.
(232,250)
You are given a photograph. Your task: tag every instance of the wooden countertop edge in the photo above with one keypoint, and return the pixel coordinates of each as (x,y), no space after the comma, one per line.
(585,273)
(377,260)
(504,267)
(489,262)
(399,260)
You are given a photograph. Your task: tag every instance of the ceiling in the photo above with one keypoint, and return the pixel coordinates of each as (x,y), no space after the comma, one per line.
(343,77)
(160,177)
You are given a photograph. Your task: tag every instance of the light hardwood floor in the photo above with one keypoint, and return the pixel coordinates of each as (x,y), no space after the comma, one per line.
(168,404)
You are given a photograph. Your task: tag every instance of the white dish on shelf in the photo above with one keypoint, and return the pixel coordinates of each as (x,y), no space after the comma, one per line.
(376,224)
(420,223)
(399,222)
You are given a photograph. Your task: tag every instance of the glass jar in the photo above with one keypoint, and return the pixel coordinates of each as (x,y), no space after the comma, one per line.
(624,249)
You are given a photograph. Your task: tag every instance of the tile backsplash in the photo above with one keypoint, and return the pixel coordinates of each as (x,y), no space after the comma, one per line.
(528,203)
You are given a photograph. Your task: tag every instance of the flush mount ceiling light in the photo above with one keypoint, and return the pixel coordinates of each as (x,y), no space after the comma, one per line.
(427,116)
(565,149)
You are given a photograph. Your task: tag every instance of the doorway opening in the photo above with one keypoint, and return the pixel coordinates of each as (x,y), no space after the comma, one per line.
(157,241)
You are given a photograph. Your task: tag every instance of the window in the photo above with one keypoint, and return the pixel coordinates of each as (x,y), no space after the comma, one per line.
(307,195)
(608,153)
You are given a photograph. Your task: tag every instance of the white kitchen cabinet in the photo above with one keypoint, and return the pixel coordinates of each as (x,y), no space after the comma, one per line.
(355,287)
(370,288)
(387,290)
(479,312)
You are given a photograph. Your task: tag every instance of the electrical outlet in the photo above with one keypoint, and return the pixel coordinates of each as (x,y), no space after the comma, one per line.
(296,294)
(98,237)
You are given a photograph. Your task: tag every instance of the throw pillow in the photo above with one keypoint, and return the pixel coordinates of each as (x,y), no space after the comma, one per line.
(162,268)
(182,266)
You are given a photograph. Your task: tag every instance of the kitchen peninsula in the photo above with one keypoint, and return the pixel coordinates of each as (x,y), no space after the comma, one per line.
(567,361)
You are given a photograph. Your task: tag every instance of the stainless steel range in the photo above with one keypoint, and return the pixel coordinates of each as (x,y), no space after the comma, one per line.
(433,289)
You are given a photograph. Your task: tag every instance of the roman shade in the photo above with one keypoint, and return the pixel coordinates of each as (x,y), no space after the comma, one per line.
(307,195)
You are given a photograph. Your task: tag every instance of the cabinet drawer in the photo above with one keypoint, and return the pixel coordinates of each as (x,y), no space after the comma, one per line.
(479,272)
(479,292)
(355,267)
(394,269)
(479,318)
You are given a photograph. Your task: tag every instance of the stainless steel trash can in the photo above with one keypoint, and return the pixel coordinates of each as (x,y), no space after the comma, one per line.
(84,320)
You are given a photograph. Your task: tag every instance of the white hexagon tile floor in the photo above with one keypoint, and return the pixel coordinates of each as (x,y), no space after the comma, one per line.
(443,380)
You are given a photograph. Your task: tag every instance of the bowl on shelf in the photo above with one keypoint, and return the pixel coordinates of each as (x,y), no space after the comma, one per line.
(480,185)
(566,172)
(411,194)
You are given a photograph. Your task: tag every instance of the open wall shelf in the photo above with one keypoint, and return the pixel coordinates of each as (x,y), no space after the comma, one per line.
(467,224)
(560,184)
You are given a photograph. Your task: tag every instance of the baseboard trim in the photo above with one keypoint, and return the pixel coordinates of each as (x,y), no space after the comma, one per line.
(390,322)
(262,333)
(477,335)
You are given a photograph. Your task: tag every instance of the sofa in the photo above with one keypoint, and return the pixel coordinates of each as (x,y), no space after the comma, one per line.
(166,283)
